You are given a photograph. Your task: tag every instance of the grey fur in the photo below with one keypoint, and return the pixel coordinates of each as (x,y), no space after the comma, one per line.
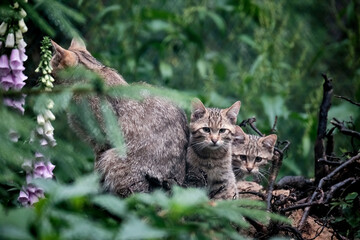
(155,132)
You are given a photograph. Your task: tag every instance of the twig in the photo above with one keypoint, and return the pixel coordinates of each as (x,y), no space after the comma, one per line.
(274,171)
(340,125)
(273,129)
(321,183)
(347,99)
(319,149)
(299,206)
(335,187)
(251,121)
(331,163)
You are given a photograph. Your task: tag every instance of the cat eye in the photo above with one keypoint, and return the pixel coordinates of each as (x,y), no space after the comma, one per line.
(222,130)
(258,159)
(243,157)
(206,129)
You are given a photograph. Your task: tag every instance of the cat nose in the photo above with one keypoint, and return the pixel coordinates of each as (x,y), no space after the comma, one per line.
(249,169)
(214,141)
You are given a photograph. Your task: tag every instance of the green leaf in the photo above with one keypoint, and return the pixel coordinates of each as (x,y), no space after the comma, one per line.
(112,129)
(80,226)
(351,196)
(83,186)
(135,228)
(112,204)
(217,19)
(186,198)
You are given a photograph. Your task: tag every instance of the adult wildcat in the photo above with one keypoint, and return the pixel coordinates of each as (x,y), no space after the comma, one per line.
(155,132)
(250,153)
(209,151)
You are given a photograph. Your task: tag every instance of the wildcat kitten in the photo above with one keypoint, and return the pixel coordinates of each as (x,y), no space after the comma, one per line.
(155,132)
(250,153)
(209,151)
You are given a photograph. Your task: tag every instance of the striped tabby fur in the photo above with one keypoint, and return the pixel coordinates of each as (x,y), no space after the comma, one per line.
(209,153)
(155,132)
(250,153)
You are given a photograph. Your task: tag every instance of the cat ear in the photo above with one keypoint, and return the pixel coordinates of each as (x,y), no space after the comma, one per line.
(77,43)
(67,58)
(269,141)
(58,49)
(198,109)
(233,111)
(240,136)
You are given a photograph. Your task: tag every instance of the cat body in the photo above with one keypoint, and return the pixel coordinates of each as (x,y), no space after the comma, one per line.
(209,152)
(155,132)
(250,153)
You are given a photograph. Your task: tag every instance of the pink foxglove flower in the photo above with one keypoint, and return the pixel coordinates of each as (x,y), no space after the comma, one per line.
(4,65)
(16,103)
(23,56)
(7,82)
(19,80)
(15,60)
(10,40)
(30,195)
(23,198)
(42,170)
(22,44)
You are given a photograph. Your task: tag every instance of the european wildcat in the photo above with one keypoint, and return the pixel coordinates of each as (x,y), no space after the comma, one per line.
(155,132)
(209,151)
(250,153)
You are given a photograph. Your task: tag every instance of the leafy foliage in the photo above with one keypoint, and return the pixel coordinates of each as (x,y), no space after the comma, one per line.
(79,210)
(267,54)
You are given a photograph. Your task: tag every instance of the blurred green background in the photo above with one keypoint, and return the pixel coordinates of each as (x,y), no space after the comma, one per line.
(268,54)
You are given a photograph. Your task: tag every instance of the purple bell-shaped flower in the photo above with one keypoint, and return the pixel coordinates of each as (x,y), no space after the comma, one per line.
(7,82)
(4,65)
(15,61)
(19,80)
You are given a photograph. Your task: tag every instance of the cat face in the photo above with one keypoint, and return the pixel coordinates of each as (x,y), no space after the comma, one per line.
(250,152)
(212,128)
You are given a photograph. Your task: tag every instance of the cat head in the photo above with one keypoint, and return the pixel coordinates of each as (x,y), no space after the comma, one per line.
(250,152)
(212,128)
(76,54)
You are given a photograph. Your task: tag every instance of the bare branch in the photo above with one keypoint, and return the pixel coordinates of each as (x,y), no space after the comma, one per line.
(349,100)
(341,127)
(251,122)
(321,183)
(320,169)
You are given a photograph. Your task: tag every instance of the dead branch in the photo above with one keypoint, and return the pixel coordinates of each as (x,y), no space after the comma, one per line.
(320,169)
(251,122)
(343,129)
(349,100)
(337,186)
(320,186)
(273,129)
(274,171)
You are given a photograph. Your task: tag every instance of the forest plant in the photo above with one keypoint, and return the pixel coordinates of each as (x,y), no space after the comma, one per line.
(40,167)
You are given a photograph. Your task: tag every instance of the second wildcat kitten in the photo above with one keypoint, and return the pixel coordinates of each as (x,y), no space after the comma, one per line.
(250,153)
(209,153)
